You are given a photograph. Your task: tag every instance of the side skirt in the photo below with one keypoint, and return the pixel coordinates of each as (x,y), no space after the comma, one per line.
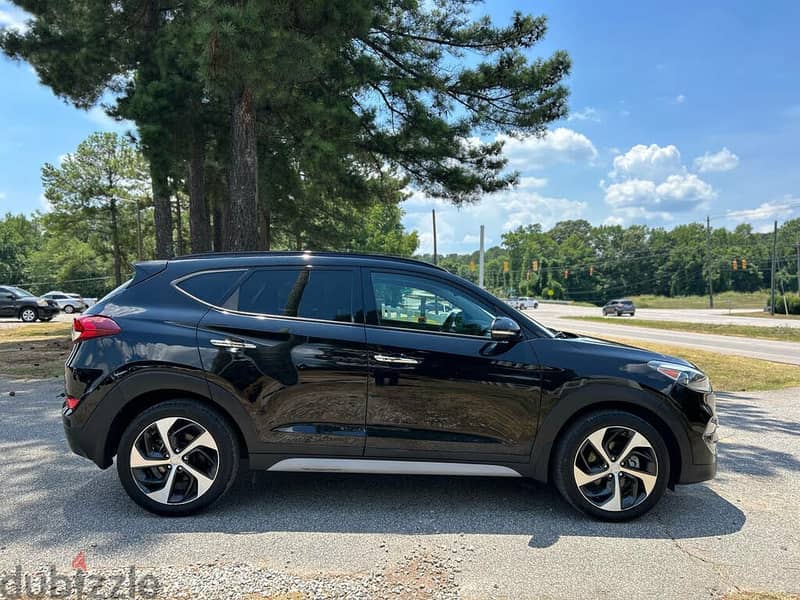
(390,467)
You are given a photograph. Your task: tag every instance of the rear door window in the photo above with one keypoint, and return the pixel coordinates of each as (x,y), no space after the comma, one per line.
(296,292)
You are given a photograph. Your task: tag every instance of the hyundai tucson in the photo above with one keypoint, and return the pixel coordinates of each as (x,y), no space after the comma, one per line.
(325,362)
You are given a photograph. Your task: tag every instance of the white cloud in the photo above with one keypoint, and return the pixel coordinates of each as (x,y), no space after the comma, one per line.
(724,160)
(527,183)
(458,229)
(651,182)
(685,189)
(98,116)
(647,162)
(14,20)
(766,211)
(561,145)
(680,99)
(614,220)
(587,114)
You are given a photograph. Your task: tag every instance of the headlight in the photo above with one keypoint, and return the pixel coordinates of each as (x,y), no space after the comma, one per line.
(682,374)
(41,302)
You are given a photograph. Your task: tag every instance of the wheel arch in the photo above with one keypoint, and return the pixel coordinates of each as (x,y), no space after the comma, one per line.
(145,389)
(650,406)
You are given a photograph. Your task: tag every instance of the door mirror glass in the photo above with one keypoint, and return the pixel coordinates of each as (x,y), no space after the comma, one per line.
(505,330)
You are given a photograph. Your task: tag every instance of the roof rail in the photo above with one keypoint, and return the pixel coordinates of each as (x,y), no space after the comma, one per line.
(302,252)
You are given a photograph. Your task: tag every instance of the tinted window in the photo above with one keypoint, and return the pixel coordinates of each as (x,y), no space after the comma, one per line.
(411,302)
(211,287)
(308,293)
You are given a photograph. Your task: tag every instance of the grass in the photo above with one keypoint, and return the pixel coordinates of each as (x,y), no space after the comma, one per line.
(36,351)
(784,334)
(765,315)
(728,373)
(730,300)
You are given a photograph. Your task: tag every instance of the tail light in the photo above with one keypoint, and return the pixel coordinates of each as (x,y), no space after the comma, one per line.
(93,326)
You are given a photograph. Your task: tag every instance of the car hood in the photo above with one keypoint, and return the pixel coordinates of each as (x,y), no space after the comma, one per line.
(611,350)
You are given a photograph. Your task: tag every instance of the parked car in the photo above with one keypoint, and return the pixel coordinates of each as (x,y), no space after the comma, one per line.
(525,303)
(19,303)
(69,303)
(312,362)
(619,308)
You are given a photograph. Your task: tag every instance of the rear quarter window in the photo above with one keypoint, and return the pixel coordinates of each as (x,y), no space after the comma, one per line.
(210,287)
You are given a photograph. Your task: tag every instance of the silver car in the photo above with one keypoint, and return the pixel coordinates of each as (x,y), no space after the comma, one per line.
(69,303)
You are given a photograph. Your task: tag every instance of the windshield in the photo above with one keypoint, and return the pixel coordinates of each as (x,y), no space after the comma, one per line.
(19,292)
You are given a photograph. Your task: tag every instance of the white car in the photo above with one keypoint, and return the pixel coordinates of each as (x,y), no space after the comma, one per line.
(69,303)
(524,303)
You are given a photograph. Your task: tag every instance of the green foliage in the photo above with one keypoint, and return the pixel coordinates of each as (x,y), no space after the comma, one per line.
(584,263)
(788,304)
(19,237)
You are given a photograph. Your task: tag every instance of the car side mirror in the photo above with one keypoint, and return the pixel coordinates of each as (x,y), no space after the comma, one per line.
(505,330)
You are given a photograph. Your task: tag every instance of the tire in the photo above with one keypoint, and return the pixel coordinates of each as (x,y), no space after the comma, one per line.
(215,458)
(69,309)
(619,314)
(612,491)
(28,314)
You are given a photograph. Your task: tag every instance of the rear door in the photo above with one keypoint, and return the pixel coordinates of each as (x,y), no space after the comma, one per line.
(439,387)
(8,304)
(289,342)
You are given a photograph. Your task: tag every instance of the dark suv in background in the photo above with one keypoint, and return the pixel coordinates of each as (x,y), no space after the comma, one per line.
(21,304)
(619,308)
(367,364)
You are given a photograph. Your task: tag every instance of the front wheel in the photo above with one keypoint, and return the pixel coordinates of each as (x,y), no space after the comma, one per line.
(28,315)
(69,309)
(612,465)
(177,457)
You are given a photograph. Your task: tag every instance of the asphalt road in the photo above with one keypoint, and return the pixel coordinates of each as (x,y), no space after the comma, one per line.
(490,537)
(557,317)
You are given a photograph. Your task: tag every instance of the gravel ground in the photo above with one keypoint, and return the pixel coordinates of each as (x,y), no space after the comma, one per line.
(293,536)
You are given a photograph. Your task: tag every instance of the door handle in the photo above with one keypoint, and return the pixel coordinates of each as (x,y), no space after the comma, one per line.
(396,360)
(232,344)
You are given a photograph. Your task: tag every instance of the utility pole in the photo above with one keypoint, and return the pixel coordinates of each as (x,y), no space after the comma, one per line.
(433,213)
(708,266)
(772,270)
(480,262)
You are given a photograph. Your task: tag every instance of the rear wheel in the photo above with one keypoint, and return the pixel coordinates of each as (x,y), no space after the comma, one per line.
(612,465)
(69,309)
(28,315)
(177,458)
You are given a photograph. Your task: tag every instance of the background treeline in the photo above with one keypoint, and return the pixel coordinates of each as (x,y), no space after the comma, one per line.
(594,264)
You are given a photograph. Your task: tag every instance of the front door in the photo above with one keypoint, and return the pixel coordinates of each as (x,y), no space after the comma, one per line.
(439,387)
(289,342)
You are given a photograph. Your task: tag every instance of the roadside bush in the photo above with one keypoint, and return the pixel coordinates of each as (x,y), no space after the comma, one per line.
(792,304)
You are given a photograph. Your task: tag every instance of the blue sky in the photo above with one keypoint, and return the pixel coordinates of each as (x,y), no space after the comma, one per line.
(679,110)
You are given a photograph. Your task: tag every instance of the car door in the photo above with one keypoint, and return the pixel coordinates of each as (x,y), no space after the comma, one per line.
(8,304)
(289,342)
(440,388)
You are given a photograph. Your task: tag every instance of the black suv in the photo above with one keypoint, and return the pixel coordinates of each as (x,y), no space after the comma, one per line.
(21,304)
(367,364)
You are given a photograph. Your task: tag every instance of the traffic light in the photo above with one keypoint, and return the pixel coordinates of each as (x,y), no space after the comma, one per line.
(505,266)
(735,264)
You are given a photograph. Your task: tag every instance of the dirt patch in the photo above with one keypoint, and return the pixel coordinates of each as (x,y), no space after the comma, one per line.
(34,358)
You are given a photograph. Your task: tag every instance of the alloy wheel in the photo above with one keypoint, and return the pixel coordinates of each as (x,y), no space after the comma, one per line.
(174,460)
(28,315)
(616,468)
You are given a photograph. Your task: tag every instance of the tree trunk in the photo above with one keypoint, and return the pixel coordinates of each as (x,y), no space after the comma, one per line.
(268,229)
(112,205)
(179,225)
(162,213)
(199,223)
(218,223)
(242,228)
